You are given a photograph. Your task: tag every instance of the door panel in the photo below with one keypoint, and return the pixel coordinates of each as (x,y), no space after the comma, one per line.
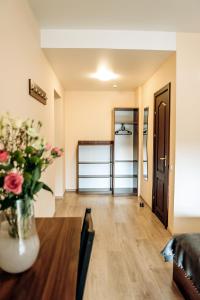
(161,153)
(161,135)
(160,196)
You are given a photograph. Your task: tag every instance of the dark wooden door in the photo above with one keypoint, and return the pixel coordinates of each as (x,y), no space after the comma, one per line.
(161,153)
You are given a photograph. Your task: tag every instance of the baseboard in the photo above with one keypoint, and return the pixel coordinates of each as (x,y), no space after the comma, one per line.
(186,225)
(145,202)
(60,197)
(71,190)
(168,229)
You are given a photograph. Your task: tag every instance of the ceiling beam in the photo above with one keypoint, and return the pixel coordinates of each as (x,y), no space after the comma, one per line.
(108,39)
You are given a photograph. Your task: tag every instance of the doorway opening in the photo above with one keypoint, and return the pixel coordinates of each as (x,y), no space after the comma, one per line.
(58,141)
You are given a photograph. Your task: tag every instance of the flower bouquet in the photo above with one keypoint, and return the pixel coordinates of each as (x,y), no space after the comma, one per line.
(24,155)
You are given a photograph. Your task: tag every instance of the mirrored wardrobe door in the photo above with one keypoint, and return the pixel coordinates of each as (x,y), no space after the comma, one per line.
(145,143)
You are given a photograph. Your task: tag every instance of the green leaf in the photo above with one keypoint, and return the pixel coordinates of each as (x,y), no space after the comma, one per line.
(38,186)
(40,152)
(6,167)
(34,160)
(1,181)
(36,174)
(18,156)
(27,177)
(29,150)
(7,202)
(45,187)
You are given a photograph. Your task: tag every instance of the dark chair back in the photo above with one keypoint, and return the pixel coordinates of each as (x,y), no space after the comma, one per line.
(85,226)
(87,238)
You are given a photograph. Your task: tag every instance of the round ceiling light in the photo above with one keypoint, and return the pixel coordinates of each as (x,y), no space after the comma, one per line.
(104,74)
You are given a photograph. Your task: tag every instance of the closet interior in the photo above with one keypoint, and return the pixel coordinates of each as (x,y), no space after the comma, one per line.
(111,166)
(125,170)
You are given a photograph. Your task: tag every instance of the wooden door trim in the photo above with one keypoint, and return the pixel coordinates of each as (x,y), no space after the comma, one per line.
(167,87)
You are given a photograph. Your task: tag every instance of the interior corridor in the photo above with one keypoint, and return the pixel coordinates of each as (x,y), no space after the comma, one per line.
(125,262)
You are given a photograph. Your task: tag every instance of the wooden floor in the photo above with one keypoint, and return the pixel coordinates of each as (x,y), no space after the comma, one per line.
(126,262)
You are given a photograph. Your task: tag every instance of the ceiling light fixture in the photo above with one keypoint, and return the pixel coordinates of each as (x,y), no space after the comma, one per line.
(115,86)
(104,74)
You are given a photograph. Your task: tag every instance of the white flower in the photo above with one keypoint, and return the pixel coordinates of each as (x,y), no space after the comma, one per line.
(32,132)
(2,197)
(28,122)
(6,120)
(17,123)
(38,144)
(15,164)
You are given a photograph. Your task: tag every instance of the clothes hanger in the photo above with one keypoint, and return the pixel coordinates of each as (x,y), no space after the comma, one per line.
(123,131)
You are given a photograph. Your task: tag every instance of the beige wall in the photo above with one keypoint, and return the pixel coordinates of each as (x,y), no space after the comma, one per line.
(59,141)
(89,116)
(165,74)
(21,58)
(187,179)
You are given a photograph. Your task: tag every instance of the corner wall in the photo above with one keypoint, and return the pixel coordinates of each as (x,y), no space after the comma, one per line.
(89,116)
(187,179)
(21,58)
(165,74)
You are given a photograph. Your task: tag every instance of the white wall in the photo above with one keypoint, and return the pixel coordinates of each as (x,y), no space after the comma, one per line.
(21,58)
(89,116)
(187,178)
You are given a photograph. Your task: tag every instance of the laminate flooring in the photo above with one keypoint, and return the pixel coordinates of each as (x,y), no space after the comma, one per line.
(126,263)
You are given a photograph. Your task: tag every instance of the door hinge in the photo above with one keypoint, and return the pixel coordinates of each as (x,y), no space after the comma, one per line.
(154,112)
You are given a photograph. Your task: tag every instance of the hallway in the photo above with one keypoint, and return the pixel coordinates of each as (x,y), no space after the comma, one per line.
(125,262)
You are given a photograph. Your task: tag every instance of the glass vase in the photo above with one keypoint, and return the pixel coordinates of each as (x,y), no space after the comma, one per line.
(19,241)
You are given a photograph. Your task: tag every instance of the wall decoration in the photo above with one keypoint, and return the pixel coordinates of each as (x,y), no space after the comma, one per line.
(36,92)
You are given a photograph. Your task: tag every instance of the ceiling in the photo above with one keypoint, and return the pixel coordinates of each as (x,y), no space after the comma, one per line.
(75,66)
(159,15)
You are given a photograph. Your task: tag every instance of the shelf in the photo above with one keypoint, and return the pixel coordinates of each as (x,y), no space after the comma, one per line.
(126,123)
(95,143)
(125,191)
(126,161)
(94,162)
(94,167)
(126,109)
(94,176)
(95,191)
(125,176)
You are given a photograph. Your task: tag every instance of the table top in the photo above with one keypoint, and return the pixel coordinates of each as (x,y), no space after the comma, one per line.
(54,274)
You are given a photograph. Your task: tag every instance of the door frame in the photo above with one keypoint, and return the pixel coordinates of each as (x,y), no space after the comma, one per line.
(167,87)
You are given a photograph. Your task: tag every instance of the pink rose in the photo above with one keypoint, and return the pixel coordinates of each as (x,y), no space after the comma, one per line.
(13,183)
(57,151)
(4,156)
(47,147)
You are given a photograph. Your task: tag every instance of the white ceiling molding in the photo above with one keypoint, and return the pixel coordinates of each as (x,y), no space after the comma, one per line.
(108,39)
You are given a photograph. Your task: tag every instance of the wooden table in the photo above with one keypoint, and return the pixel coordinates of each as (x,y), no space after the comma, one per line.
(54,274)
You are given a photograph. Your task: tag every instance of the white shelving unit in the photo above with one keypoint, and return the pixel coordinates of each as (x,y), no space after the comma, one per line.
(94,166)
